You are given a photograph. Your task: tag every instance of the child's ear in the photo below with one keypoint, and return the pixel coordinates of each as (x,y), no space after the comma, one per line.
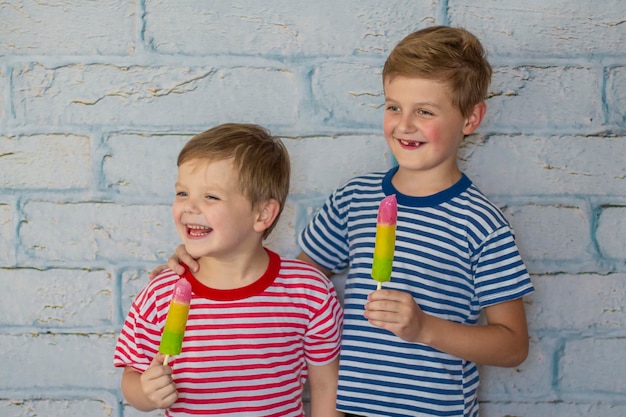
(475,118)
(266,215)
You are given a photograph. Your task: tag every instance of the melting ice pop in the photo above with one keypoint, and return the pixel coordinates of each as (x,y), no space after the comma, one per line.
(176,320)
(385,239)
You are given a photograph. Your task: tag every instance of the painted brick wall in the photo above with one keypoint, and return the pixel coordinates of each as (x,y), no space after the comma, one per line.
(97,97)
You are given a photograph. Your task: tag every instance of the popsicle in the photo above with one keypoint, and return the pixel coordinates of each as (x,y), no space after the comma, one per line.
(176,320)
(385,239)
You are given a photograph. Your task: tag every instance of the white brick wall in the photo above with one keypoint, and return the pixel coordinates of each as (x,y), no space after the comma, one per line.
(29,160)
(96,99)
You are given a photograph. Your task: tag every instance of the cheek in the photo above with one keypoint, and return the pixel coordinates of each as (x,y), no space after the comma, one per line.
(177,210)
(388,126)
(434,132)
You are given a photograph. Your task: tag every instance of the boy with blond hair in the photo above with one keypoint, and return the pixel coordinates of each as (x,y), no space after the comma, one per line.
(259,325)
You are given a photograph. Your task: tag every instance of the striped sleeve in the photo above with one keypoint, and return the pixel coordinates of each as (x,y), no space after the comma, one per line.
(315,293)
(140,336)
(500,273)
(323,336)
(325,238)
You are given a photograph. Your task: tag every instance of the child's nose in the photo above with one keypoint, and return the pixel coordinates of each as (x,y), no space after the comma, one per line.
(407,123)
(191,206)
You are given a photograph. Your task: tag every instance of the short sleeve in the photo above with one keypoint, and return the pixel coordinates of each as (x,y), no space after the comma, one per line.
(500,274)
(139,338)
(323,336)
(324,239)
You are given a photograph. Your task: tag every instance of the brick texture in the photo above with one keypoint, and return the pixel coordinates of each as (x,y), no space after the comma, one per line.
(97,98)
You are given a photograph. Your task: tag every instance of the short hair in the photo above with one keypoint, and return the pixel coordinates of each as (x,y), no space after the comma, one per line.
(451,55)
(260,158)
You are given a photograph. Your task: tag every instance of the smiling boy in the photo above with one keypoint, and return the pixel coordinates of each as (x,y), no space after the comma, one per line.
(412,348)
(259,325)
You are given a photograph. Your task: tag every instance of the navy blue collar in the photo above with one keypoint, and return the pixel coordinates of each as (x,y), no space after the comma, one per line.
(429,201)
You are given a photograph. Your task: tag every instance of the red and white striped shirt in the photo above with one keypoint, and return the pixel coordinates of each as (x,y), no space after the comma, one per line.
(245,351)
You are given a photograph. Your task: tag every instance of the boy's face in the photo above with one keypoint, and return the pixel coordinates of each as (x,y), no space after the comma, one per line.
(212,217)
(422,127)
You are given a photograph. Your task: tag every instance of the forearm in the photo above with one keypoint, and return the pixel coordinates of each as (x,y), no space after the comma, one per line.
(131,388)
(492,345)
(498,343)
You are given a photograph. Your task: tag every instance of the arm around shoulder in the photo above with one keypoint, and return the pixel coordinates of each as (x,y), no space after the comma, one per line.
(306,258)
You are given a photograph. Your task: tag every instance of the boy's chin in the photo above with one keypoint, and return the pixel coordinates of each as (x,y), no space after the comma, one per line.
(195,252)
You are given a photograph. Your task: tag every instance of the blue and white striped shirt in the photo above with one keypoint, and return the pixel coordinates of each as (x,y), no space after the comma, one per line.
(455,253)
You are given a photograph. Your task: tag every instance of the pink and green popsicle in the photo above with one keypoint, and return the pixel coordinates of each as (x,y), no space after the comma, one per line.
(176,320)
(385,240)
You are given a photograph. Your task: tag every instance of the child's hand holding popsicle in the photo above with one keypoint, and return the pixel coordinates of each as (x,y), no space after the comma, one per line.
(157,384)
(397,312)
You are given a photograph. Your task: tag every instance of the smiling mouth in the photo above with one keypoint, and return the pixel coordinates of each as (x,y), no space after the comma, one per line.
(409,144)
(194,230)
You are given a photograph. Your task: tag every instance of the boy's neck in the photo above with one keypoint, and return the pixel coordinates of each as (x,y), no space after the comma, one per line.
(415,183)
(236,271)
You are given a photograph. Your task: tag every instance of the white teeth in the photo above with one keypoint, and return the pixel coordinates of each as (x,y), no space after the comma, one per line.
(198,231)
(197,227)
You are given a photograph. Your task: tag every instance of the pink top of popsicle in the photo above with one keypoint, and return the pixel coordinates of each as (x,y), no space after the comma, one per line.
(182,291)
(388,211)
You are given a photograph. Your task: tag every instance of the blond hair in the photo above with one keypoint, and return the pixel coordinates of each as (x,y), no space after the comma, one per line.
(450,55)
(260,158)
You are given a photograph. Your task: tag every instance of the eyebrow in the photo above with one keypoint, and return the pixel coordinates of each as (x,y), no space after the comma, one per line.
(421,103)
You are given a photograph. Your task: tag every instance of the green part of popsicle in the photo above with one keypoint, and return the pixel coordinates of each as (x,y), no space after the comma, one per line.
(381,269)
(171,342)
